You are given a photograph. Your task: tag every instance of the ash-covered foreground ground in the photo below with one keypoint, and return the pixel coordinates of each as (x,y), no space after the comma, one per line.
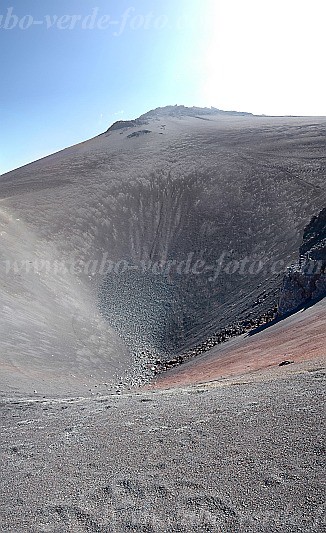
(233,457)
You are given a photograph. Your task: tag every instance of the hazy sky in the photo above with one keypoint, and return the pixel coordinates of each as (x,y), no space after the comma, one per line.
(70,68)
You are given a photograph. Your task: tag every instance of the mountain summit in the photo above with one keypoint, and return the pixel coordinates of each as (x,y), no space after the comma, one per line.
(175,111)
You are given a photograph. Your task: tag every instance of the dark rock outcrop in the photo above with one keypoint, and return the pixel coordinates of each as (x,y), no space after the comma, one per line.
(122,124)
(138,133)
(314,238)
(305,281)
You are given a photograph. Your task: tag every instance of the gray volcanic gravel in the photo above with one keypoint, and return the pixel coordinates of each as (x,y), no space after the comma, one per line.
(233,458)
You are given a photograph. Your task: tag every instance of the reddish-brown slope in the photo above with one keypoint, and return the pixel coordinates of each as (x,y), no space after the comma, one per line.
(298,338)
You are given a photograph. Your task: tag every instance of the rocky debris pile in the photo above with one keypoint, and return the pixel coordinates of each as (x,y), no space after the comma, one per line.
(305,281)
(148,363)
(221,336)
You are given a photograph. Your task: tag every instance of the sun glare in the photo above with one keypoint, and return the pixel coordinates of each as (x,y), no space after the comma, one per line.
(264,63)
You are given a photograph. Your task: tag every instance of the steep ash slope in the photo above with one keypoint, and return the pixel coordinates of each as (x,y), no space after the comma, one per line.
(82,232)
